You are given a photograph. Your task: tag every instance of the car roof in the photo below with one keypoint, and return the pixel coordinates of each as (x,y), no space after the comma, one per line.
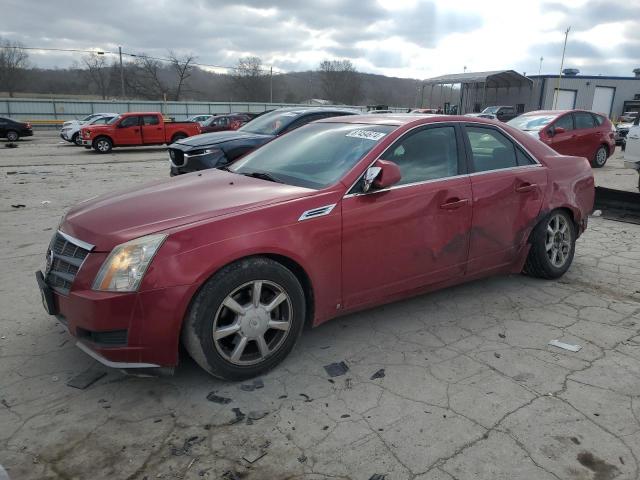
(316,109)
(400,119)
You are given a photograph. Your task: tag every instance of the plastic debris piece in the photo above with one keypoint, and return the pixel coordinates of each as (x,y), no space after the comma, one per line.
(596,213)
(255,385)
(45,202)
(254,455)
(239,416)
(212,397)
(565,346)
(86,379)
(377,476)
(336,369)
(18,205)
(257,415)
(379,374)
(497,355)
(302,458)
(502,335)
(306,397)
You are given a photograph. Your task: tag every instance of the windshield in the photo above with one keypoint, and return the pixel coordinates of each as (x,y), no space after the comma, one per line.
(491,110)
(114,120)
(314,156)
(271,123)
(531,122)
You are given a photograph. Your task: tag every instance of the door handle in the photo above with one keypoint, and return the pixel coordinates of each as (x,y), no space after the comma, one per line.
(158,128)
(526,187)
(454,203)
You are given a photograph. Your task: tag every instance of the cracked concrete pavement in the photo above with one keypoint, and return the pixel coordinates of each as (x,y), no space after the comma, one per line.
(471,390)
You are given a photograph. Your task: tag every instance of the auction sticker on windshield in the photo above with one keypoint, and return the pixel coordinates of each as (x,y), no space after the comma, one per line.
(366,134)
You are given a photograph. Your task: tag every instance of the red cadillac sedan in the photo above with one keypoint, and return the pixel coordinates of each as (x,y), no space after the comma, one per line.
(337,216)
(571,132)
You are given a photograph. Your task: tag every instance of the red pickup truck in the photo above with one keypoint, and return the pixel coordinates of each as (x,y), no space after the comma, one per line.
(136,128)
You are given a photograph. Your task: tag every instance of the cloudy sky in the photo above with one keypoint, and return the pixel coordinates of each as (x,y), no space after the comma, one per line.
(404,38)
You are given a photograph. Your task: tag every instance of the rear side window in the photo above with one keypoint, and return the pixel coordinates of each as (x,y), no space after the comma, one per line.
(428,154)
(565,121)
(523,159)
(599,119)
(583,120)
(491,149)
(150,120)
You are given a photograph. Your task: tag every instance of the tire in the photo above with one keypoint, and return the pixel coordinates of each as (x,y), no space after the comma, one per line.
(553,243)
(102,145)
(76,140)
(178,136)
(12,136)
(600,157)
(234,285)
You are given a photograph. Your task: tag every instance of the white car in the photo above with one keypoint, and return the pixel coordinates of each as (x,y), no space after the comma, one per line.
(71,130)
(632,150)
(199,118)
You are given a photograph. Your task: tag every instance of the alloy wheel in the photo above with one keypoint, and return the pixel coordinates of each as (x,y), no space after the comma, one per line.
(12,136)
(103,145)
(601,156)
(252,322)
(558,240)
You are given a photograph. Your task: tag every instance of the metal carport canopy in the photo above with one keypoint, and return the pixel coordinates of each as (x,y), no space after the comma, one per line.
(493,79)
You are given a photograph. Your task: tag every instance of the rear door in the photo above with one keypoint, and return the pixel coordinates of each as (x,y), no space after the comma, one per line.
(587,139)
(508,187)
(128,131)
(416,232)
(152,130)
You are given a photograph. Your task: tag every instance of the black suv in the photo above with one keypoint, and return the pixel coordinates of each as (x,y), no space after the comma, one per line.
(12,129)
(217,149)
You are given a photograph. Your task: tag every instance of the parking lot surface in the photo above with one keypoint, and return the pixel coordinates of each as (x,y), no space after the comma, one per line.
(457,384)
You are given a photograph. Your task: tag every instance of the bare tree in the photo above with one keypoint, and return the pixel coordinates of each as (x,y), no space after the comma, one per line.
(14,60)
(98,72)
(144,78)
(183,68)
(340,81)
(250,81)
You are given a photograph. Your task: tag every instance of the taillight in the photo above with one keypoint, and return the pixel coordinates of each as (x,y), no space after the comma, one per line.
(28,125)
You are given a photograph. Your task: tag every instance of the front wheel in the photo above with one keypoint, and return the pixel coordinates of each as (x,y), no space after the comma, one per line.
(12,136)
(552,246)
(102,145)
(245,319)
(76,139)
(600,157)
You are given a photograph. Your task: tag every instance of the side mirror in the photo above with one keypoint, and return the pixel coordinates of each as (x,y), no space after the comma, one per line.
(381,174)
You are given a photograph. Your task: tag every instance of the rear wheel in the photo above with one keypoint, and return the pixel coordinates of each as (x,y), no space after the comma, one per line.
(177,137)
(245,319)
(12,136)
(102,145)
(600,157)
(552,246)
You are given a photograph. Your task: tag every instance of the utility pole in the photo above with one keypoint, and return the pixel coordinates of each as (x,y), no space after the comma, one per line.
(422,95)
(564,48)
(271,85)
(121,73)
(540,67)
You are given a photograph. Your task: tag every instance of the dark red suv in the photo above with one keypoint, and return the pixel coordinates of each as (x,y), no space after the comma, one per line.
(571,132)
(221,123)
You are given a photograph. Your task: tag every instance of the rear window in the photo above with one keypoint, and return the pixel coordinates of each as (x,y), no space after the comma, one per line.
(599,119)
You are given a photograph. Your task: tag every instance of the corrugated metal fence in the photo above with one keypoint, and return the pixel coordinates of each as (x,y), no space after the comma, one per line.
(37,109)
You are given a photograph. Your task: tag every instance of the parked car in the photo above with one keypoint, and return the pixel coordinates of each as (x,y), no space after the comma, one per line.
(12,129)
(201,119)
(621,132)
(571,132)
(380,111)
(632,152)
(134,129)
(339,215)
(424,110)
(221,123)
(71,130)
(628,117)
(212,150)
(502,113)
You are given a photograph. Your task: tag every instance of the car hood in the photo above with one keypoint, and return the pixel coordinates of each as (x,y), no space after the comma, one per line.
(212,138)
(109,220)
(626,125)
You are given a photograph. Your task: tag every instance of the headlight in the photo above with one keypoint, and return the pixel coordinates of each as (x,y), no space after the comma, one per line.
(127,263)
(198,153)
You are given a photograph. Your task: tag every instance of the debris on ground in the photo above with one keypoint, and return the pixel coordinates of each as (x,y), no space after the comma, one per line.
(336,369)
(187,445)
(379,374)
(596,213)
(302,458)
(565,346)
(256,454)
(18,205)
(240,416)
(45,202)
(228,475)
(255,385)
(11,145)
(497,355)
(257,415)
(348,384)
(212,397)
(306,397)
(502,335)
(5,403)
(377,476)
(86,379)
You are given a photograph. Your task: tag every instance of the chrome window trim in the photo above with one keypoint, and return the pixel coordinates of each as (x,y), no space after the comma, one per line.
(413,184)
(536,164)
(76,242)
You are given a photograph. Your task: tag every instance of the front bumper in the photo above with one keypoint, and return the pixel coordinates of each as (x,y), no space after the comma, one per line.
(122,330)
(86,142)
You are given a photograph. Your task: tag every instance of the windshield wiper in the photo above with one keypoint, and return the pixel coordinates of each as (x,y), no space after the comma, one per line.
(261,175)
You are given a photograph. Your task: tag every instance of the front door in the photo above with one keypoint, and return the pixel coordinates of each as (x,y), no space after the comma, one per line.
(508,187)
(152,131)
(416,232)
(128,131)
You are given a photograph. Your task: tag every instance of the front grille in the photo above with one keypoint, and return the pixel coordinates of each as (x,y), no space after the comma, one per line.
(64,259)
(623,132)
(111,338)
(177,157)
